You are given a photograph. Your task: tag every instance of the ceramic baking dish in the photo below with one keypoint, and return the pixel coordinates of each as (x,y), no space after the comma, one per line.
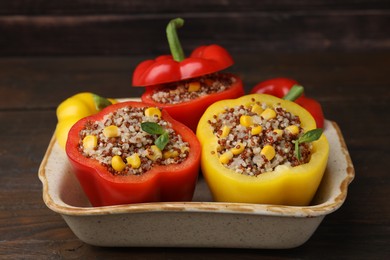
(201,223)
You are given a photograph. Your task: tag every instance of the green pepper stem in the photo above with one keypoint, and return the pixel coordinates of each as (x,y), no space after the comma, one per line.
(295,92)
(173,39)
(100,102)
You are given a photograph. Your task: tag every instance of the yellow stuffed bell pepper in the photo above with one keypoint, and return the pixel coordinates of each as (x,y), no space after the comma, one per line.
(245,143)
(74,108)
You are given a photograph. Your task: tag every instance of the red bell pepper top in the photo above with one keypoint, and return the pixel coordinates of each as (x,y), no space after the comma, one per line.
(279,87)
(174,68)
(170,68)
(164,69)
(174,182)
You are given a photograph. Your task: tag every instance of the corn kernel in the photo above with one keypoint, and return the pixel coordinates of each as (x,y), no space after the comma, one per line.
(111,131)
(134,161)
(226,157)
(193,86)
(268,113)
(268,151)
(153,111)
(278,132)
(257,109)
(154,153)
(171,154)
(89,142)
(117,163)
(248,104)
(225,131)
(239,148)
(292,129)
(246,121)
(256,130)
(184,149)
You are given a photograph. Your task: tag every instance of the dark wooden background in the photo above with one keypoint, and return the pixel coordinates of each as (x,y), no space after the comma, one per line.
(50,50)
(103,27)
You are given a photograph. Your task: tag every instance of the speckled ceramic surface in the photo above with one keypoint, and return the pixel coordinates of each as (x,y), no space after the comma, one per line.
(201,223)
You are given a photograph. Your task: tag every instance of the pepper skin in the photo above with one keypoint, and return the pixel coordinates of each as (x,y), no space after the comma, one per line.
(175,182)
(73,109)
(283,186)
(279,87)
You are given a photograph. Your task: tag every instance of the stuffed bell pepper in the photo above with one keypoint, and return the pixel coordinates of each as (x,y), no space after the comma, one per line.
(185,87)
(132,153)
(261,149)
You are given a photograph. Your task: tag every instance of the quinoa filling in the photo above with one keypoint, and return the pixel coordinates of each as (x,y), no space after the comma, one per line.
(256,138)
(187,90)
(119,143)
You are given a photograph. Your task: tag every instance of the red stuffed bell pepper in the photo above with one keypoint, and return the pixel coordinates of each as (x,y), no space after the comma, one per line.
(133,153)
(279,87)
(185,87)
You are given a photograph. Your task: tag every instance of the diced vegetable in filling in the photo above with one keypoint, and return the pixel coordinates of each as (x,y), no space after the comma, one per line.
(186,90)
(254,139)
(132,140)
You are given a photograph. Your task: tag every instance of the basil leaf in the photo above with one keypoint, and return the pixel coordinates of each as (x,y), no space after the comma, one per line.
(162,141)
(155,129)
(311,136)
(297,151)
(100,102)
(152,128)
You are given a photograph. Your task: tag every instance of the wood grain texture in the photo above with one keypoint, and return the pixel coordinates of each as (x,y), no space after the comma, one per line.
(140,7)
(352,88)
(329,77)
(138,27)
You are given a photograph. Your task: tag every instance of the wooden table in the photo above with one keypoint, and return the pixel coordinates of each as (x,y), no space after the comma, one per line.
(352,87)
